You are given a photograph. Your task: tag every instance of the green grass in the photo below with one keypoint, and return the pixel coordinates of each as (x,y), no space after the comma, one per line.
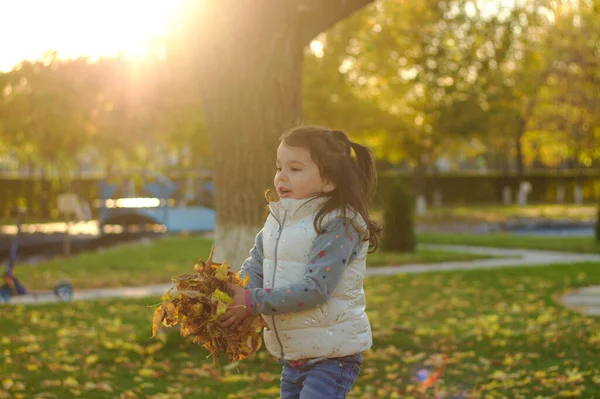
(134,264)
(502,330)
(501,240)
(384,258)
(499,213)
(155,262)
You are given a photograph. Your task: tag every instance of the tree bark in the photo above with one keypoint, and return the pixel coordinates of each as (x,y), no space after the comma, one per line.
(249,60)
(251,93)
(317,16)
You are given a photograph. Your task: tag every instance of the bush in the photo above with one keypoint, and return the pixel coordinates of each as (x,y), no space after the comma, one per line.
(398,218)
(464,188)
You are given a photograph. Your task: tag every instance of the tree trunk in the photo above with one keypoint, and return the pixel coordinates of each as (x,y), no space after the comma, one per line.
(519,150)
(506,158)
(250,56)
(251,94)
(45,193)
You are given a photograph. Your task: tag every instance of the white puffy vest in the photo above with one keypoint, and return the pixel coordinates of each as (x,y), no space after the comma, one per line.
(339,327)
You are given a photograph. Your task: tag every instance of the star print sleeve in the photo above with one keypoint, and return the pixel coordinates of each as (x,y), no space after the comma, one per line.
(253,266)
(331,252)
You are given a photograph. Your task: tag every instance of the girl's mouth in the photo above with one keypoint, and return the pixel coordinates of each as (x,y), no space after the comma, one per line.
(283,193)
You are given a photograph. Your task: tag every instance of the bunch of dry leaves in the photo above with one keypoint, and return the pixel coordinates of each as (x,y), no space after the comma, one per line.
(200,299)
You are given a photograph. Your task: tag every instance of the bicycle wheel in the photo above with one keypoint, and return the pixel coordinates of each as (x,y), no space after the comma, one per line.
(64,291)
(5,293)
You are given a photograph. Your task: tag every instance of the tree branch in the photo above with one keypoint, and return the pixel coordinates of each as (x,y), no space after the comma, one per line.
(317,16)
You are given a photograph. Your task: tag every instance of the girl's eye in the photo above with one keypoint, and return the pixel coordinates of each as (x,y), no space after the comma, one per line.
(295,169)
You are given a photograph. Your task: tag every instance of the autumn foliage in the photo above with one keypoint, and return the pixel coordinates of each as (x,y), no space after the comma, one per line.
(201,298)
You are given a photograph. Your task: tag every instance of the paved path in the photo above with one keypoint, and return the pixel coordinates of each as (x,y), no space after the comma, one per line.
(503,258)
(586,300)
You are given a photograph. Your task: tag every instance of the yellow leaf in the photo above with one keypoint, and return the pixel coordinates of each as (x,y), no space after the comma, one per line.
(221,271)
(171,310)
(231,366)
(19,386)
(145,372)
(91,359)
(89,386)
(222,296)
(576,393)
(167,295)
(50,383)
(7,383)
(539,374)
(129,394)
(498,375)
(159,315)
(70,382)
(246,280)
(151,349)
(267,377)
(221,308)
(239,378)
(104,387)
(508,361)
(268,391)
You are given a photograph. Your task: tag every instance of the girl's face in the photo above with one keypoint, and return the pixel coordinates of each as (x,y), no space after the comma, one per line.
(298,176)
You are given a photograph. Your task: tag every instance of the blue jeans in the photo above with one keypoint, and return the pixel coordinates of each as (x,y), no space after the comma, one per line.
(326,379)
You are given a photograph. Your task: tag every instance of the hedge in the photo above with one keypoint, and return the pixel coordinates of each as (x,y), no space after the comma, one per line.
(39,196)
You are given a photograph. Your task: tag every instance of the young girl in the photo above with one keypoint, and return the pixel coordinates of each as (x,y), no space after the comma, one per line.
(308,265)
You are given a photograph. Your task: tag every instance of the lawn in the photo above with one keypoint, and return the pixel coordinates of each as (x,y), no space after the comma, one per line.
(154,262)
(499,213)
(502,240)
(465,213)
(503,332)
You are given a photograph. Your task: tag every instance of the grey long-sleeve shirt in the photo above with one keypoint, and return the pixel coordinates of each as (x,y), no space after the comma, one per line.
(331,252)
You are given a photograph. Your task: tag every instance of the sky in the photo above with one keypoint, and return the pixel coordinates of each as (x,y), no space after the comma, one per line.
(94,28)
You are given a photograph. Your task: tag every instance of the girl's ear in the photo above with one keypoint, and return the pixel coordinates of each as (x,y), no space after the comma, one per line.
(328,187)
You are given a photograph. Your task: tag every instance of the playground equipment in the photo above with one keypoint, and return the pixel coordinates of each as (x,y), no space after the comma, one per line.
(155,206)
(13,287)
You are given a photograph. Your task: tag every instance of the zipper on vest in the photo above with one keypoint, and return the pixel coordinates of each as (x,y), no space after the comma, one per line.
(274,274)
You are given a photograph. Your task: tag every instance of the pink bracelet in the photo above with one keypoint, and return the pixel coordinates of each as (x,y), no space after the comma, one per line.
(249,302)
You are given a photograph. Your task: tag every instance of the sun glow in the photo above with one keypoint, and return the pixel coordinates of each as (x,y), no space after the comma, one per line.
(93,28)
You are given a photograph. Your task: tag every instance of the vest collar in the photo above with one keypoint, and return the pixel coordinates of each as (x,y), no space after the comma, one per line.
(296,208)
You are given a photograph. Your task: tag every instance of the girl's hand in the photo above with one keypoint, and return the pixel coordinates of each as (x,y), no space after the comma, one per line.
(236,311)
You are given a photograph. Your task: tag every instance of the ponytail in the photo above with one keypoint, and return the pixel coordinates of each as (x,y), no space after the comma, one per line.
(366,164)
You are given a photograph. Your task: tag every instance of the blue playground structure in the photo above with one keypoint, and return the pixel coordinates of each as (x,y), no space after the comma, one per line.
(155,205)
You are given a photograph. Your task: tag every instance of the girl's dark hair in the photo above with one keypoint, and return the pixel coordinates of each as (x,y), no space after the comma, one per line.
(353,175)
